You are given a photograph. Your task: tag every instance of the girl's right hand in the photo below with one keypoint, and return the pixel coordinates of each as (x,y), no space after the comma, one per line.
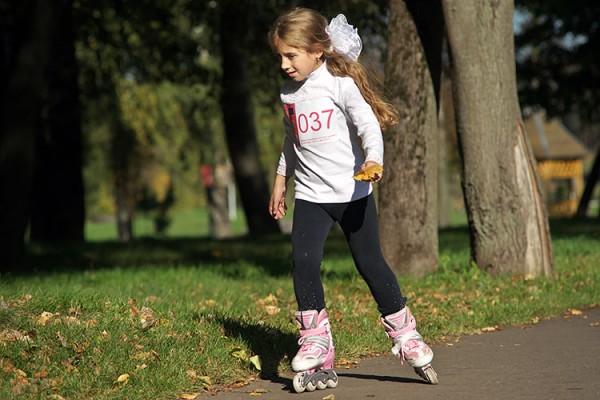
(277,206)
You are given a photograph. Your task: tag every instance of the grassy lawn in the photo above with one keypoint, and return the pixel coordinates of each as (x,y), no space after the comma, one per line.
(159,318)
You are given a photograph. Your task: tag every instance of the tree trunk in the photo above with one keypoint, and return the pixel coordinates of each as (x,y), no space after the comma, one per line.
(58,205)
(216,193)
(238,116)
(19,121)
(507,217)
(125,173)
(444,198)
(408,192)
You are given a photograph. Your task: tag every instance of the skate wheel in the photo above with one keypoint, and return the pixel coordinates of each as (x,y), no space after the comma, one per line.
(332,383)
(321,385)
(428,373)
(311,387)
(298,383)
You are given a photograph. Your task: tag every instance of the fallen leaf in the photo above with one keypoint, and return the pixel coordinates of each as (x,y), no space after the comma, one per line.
(205,380)
(91,323)
(191,373)
(4,305)
(7,366)
(147,318)
(272,310)
(239,353)
(210,303)
(11,335)
(369,173)
(575,311)
(330,397)
(123,379)
(79,348)
(61,339)
(488,329)
(44,318)
(42,374)
(255,360)
(188,396)
(133,307)
(597,323)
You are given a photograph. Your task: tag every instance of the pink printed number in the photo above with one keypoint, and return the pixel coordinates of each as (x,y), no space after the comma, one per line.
(313,121)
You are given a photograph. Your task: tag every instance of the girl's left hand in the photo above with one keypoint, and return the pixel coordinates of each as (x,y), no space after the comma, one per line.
(368,164)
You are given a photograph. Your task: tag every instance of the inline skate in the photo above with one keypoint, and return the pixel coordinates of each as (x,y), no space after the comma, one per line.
(408,344)
(314,361)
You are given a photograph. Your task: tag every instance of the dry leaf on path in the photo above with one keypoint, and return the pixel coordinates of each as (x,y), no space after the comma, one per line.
(188,396)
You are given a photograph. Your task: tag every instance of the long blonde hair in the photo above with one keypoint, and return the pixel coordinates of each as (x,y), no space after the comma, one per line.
(304,29)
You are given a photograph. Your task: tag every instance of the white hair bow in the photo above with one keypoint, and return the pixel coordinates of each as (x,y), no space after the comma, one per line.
(344,37)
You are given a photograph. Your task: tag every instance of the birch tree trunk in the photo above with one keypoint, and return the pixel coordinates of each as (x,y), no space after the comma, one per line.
(408,192)
(507,217)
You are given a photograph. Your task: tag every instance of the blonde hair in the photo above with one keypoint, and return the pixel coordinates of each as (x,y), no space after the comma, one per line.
(304,29)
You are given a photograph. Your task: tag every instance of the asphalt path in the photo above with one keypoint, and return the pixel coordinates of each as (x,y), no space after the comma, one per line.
(554,359)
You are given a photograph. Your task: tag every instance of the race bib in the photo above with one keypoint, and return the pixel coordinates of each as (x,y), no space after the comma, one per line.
(313,123)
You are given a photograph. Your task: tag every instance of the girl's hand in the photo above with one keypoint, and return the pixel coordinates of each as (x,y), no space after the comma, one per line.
(277,206)
(376,177)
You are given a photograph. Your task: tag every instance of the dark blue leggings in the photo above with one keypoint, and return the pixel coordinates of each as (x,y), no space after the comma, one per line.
(358,220)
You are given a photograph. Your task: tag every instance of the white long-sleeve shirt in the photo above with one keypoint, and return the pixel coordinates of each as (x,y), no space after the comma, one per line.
(330,132)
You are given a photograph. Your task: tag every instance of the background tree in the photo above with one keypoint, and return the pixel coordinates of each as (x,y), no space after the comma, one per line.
(26,40)
(408,195)
(238,114)
(58,196)
(507,219)
(557,46)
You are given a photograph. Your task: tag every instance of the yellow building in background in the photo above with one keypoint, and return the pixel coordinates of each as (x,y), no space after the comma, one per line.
(559,156)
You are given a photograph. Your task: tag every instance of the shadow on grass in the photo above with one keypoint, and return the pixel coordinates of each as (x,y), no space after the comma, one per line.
(271,345)
(234,258)
(270,255)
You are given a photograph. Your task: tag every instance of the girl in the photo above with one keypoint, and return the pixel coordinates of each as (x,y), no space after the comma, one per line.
(333,123)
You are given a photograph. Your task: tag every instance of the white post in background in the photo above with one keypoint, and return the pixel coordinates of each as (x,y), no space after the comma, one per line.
(231,201)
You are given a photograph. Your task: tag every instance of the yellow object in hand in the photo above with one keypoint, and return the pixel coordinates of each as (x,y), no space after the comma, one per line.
(369,173)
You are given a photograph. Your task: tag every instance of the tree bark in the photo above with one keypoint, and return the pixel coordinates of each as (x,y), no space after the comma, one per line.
(238,116)
(507,217)
(217,195)
(58,199)
(444,198)
(408,193)
(19,121)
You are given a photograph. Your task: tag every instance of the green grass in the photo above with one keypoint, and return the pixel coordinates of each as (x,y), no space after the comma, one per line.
(185,223)
(182,314)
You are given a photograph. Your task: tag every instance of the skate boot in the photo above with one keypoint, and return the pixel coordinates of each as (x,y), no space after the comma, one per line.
(314,361)
(408,344)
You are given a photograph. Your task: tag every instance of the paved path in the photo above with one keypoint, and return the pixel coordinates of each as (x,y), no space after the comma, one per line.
(555,359)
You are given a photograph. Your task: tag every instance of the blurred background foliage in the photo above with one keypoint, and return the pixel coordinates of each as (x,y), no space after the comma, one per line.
(150,86)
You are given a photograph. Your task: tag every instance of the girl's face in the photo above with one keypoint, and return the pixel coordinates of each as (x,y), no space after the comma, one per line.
(297,63)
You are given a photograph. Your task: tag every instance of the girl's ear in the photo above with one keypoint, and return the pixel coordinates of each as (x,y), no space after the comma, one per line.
(318,55)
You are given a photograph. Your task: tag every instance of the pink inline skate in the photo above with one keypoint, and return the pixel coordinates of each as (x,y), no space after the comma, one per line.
(408,344)
(314,361)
